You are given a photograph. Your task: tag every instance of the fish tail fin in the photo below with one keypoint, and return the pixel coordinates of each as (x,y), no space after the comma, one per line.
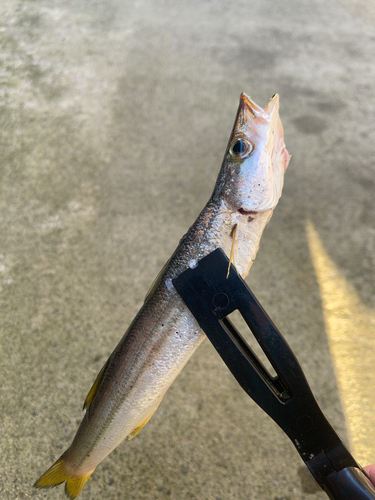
(57,474)
(74,485)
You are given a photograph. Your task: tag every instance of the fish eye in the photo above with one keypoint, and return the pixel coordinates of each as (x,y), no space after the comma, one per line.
(240,149)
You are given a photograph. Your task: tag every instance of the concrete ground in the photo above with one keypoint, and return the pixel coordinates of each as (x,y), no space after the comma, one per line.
(114,120)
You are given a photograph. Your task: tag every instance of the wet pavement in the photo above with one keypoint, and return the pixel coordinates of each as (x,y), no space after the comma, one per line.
(114,120)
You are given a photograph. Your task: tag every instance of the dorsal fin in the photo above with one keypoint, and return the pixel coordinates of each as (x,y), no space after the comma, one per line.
(157,280)
(95,385)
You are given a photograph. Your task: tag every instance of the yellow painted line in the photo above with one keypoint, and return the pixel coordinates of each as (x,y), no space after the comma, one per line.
(350,327)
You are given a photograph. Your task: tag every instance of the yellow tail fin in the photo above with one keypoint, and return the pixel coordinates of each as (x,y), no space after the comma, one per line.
(74,485)
(57,474)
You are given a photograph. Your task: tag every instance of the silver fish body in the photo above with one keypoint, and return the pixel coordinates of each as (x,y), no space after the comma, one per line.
(164,334)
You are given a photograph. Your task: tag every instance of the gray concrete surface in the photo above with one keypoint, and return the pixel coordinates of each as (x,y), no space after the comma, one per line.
(114,120)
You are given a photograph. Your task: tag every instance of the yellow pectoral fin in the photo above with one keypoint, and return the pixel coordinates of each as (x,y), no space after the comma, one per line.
(231,258)
(95,385)
(57,474)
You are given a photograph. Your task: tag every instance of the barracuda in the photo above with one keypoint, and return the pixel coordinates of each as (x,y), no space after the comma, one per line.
(164,335)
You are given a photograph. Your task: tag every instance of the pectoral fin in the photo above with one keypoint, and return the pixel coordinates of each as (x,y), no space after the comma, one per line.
(231,259)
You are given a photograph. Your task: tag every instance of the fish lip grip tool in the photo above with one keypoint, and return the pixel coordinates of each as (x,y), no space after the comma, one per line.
(287,398)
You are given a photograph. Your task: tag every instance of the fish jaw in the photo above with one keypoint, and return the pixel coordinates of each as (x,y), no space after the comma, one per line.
(252,182)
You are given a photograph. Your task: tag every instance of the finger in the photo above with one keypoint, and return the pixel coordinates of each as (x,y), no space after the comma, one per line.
(370,469)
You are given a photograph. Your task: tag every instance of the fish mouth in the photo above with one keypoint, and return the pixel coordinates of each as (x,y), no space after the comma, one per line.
(250,106)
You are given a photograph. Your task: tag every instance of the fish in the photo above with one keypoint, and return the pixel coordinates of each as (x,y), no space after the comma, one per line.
(164,334)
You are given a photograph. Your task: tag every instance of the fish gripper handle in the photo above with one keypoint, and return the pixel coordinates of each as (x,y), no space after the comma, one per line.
(212,293)
(349,484)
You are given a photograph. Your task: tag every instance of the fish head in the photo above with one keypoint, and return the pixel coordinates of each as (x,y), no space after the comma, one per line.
(252,174)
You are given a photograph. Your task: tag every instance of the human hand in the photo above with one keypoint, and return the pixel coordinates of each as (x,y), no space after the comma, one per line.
(370,469)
